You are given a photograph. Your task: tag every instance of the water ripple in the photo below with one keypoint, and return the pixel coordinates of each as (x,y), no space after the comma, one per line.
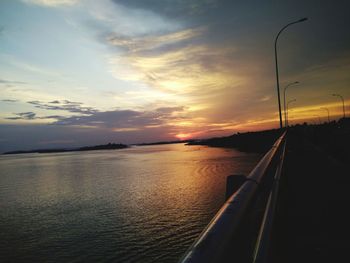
(144,204)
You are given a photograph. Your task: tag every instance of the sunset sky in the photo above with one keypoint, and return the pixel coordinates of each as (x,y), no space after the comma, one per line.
(85,72)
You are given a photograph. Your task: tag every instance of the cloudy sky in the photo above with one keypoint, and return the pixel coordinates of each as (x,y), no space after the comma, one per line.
(85,72)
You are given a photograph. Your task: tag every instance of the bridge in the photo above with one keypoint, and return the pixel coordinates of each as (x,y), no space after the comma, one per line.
(292,207)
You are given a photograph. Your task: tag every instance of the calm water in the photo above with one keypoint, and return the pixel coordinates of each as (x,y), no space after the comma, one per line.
(142,204)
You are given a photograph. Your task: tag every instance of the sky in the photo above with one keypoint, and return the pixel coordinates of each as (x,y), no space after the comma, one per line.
(85,72)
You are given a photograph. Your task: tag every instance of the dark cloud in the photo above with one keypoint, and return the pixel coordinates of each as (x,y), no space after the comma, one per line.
(71,102)
(117,119)
(56,105)
(9,100)
(65,105)
(27,115)
(33,116)
(124,118)
(56,117)
(251,27)
(14,118)
(23,116)
(109,118)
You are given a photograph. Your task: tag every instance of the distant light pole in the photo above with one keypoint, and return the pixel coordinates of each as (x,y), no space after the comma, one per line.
(324,108)
(284,101)
(289,102)
(278,84)
(319,118)
(340,96)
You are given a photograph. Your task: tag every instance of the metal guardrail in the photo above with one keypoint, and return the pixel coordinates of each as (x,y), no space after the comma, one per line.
(212,244)
(261,252)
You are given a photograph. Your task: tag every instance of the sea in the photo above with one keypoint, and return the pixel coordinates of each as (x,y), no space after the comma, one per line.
(140,204)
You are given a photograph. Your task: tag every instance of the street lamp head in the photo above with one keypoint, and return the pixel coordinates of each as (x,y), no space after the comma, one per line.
(291,84)
(303,19)
(291,101)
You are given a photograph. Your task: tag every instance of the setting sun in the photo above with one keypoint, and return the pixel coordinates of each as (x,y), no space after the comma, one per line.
(183,136)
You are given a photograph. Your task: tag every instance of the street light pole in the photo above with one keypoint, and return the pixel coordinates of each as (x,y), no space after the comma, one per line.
(284,100)
(341,97)
(329,120)
(319,119)
(289,102)
(276,61)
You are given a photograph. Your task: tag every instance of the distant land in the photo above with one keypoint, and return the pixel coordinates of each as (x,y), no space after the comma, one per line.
(109,146)
(165,142)
(257,142)
(333,137)
(247,142)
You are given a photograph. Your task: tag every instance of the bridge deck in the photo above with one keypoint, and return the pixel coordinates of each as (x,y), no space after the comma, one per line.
(312,222)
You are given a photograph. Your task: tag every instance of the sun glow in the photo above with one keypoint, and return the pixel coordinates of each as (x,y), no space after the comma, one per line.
(183,136)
